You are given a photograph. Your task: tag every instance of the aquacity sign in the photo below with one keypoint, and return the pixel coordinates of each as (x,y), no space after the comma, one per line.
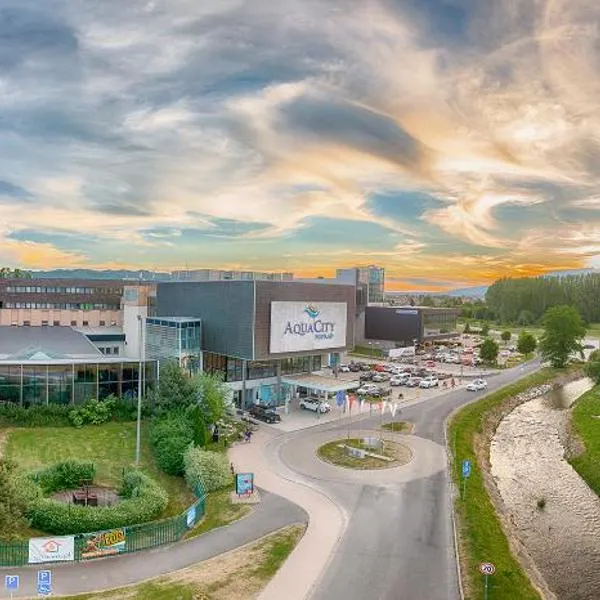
(55,549)
(298,326)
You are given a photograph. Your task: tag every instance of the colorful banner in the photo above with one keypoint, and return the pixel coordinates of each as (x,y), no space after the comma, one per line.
(244,483)
(51,549)
(104,543)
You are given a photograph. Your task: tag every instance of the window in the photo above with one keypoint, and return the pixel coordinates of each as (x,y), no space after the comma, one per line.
(103,350)
(107,351)
(44,323)
(26,323)
(86,323)
(115,349)
(56,323)
(73,323)
(102,323)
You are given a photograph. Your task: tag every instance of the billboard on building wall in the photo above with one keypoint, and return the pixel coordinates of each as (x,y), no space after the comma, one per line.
(302,326)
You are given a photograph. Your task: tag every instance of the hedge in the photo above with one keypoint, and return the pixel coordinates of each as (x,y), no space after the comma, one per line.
(170,436)
(143,500)
(63,476)
(211,470)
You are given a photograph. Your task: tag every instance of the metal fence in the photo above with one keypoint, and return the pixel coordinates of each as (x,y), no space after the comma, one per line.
(120,540)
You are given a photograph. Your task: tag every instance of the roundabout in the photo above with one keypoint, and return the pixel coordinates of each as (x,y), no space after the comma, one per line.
(365,454)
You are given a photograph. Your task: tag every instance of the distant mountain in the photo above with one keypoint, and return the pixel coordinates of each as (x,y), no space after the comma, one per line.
(470,292)
(573,272)
(104,274)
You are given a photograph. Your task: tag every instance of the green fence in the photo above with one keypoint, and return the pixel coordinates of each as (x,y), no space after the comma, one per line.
(116,541)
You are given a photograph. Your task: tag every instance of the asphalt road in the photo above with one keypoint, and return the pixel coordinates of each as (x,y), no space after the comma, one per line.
(399,541)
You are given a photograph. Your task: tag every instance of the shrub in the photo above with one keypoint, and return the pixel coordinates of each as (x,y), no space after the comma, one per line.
(144,500)
(93,412)
(51,415)
(170,437)
(209,469)
(63,476)
(14,496)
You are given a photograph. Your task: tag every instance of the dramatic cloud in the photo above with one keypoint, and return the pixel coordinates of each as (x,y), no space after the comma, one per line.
(449,140)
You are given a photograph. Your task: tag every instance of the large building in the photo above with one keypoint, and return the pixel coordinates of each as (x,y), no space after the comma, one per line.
(372,277)
(257,334)
(406,325)
(221,275)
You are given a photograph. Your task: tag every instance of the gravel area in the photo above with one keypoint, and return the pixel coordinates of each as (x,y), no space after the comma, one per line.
(551,509)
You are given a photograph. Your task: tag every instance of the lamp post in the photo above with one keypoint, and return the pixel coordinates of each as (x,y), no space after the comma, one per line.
(138,436)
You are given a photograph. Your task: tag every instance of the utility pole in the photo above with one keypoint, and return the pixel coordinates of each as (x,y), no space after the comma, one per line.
(141,366)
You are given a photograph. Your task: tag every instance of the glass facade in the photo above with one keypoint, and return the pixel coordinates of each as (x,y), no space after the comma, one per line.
(232,368)
(439,322)
(174,338)
(30,385)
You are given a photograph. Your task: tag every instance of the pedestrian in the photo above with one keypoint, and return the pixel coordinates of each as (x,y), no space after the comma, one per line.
(400,396)
(453,383)
(232,468)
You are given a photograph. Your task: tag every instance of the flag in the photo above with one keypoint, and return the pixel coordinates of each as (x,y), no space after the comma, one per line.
(340,398)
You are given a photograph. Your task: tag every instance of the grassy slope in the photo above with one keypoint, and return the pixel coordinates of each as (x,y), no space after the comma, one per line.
(275,549)
(480,532)
(111,447)
(587,427)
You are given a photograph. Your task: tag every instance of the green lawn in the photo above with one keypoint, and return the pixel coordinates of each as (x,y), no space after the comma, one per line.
(111,447)
(481,535)
(336,453)
(397,426)
(587,426)
(260,561)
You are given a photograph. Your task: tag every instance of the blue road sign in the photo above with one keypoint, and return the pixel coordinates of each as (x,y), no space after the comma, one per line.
(11,583)
(44,577)
(466,468)
(44,589)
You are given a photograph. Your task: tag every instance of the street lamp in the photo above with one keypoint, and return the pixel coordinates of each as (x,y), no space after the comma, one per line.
(138,436)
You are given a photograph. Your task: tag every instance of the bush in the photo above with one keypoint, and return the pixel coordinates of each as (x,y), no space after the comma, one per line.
(51,415)
(209,469)
(63,476)
(170,437)
(93,412)
(144,500)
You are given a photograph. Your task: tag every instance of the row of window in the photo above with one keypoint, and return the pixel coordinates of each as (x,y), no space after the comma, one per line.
(84,323)
(114,350)
(33,289)
(61,305)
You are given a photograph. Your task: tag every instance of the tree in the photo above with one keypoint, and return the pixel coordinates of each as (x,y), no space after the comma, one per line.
(563,331)
(467,328)
(485,329)
(506,335)
(592,367)
(526,343)
(13,501)
(488,351)
(8,273)
(175,388)
(213,397)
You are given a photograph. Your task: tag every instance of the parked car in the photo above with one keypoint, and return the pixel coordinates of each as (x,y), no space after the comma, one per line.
(398,380)
(264,413)
(365,367)
(380,392)
(366,376)
(429,382)
(354,367)
(315,405)
(379,368)
(344,368)
(367,389)
(379,377)
(389,368)
(477,385)
(413,381)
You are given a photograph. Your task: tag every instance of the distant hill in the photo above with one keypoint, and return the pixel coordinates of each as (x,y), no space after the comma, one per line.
(471,292)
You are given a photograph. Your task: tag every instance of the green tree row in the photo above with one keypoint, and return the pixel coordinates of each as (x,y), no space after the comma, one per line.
(526,300)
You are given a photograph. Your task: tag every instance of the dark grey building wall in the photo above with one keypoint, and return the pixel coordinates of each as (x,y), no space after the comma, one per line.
(225,307)
(400,325)
(267,292)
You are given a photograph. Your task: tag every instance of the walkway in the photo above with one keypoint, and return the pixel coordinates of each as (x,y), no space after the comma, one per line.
(270,515)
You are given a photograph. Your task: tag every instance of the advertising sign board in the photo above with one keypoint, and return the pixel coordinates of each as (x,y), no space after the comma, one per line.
(244,483)
(302,326)
(51,549)
(190,517)
(104,543)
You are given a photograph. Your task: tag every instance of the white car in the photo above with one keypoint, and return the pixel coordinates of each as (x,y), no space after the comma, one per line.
(315,405)
(344,369)
(429,382)
(398,380)
(477,385)
(367,389)
(380,377)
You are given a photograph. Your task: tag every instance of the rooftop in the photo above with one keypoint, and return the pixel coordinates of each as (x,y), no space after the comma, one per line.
(320,383)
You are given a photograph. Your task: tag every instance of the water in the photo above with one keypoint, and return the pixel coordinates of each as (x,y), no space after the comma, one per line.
(528,465)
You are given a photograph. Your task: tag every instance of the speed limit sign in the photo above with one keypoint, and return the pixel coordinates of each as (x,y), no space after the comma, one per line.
(487,568)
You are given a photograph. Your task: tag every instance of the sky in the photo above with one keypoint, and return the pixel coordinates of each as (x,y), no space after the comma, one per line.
(450,141)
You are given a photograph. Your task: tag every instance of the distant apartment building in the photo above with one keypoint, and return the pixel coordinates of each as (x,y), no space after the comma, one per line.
(221,275)
(372,277)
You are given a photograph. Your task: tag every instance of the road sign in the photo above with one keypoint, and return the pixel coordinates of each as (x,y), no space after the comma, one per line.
(11,583)
(487,568)
(44,577)
(44,589)
(466,468)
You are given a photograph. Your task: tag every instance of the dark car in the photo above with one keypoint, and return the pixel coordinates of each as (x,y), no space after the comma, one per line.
(354,367)
(365,366)
(366,377)
(264,413)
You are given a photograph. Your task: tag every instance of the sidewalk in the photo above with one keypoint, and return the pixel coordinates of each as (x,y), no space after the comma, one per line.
(327,520)
(271,514)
